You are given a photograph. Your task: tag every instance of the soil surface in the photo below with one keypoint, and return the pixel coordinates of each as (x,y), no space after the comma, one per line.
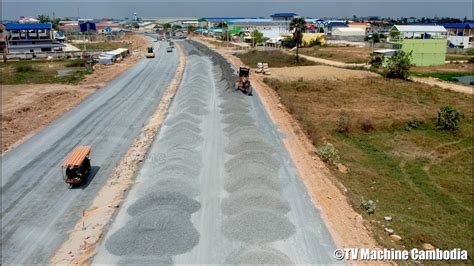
(318,73)
(28,108)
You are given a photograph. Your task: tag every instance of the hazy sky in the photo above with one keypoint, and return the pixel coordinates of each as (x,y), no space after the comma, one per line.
(12,9)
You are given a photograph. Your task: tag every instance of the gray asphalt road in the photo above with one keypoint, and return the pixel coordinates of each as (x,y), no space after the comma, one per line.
(218,185)
(38,208)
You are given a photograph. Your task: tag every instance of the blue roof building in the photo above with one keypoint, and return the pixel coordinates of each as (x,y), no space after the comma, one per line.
(30,38)
(28,26)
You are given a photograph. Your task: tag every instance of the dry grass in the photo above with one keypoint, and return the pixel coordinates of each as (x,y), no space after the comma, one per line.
(456,68)
(340,54)
(421,177)
(274,58)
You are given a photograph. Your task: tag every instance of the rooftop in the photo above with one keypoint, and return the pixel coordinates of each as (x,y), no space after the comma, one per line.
(419,28)
(283,15)
(28,26)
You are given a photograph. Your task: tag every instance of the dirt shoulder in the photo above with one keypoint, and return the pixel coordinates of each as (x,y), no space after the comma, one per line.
(319,72)
(346,226)
(28,108)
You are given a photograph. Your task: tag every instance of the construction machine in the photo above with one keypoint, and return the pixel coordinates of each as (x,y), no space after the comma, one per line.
(243,82)
(76,167)
(149,52)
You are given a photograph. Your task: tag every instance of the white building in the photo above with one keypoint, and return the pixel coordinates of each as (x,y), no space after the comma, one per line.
(348,34)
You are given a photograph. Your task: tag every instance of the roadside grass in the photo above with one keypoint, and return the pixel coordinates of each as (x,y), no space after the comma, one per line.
(273,58)
(457,57)
(350,55)
(103,46)
(422,177)
(40,72)
(446,76)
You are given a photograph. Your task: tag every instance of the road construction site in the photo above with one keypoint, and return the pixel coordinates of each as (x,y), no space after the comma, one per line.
(216,186)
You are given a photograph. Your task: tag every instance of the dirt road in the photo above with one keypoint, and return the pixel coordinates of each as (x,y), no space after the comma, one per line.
(218,185)
(38,208)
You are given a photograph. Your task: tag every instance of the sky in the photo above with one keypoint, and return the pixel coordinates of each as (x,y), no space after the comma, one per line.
(13,9)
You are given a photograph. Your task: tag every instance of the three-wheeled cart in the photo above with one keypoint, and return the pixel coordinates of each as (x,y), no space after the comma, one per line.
(77,166)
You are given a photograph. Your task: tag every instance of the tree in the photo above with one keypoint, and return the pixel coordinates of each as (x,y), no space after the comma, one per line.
(176,27)
(191,28)
(43,18)
(221,25)
(398,65)
(166,26)
(257,36)
(298,26)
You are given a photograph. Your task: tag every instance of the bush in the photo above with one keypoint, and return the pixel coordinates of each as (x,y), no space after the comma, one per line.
(398,65)
(366,125)
(376,62)
(315,42)
(343,123)
(471,60)
(448,118)
(368,206)
(24,68)
(288,42)
(328,154)
(470,51)
(76,63)
(412,124)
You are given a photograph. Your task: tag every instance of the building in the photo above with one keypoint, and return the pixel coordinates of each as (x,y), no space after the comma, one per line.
(283,21)
(87,26)
(360,25)
(329,26)
(107,27)
(428,44)
(267,27)
(69,26)
(460,35)
(30,38)
(348,34)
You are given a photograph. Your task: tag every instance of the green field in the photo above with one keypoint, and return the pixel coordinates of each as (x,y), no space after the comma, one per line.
(38,72)
(422,177)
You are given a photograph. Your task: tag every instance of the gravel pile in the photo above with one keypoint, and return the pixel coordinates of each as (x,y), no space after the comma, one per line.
(164,199)
(174,185)
(254,157)
(238,147)
(183,117)
(255,226)
(257,198)
(154,232)
(258,255)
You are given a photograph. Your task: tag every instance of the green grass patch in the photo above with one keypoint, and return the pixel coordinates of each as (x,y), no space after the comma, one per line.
(40,72)
(419,175)
(273,58)
(446,76)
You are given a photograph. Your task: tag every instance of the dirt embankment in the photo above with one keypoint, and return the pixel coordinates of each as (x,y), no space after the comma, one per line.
(28,108)
(346,226)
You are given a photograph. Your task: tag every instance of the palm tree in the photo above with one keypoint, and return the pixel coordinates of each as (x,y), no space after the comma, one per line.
(298,26)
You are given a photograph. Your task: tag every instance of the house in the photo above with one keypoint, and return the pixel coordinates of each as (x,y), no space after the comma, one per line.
(107,27)
(427,43)
(87,26)
(348,34)
(30,38)
(360,25)
(329,26)
(69,26)
(460,34)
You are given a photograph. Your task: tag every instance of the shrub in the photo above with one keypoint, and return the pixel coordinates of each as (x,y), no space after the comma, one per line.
(315,42)
(24,68)
(76,63)
(366,125)
(328,154)
(398,65)
(412,124)
(376,62)
(368,206)
(471,60)
(448,118)
(343,123)
(470,51)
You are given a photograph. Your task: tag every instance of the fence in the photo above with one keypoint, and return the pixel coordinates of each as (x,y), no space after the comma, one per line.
(51,55)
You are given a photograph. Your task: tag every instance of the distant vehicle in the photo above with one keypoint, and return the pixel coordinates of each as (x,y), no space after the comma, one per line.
(169,49)
(77,166)
(149,52)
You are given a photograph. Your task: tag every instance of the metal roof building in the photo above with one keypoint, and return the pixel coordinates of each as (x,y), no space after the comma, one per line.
(28,26)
